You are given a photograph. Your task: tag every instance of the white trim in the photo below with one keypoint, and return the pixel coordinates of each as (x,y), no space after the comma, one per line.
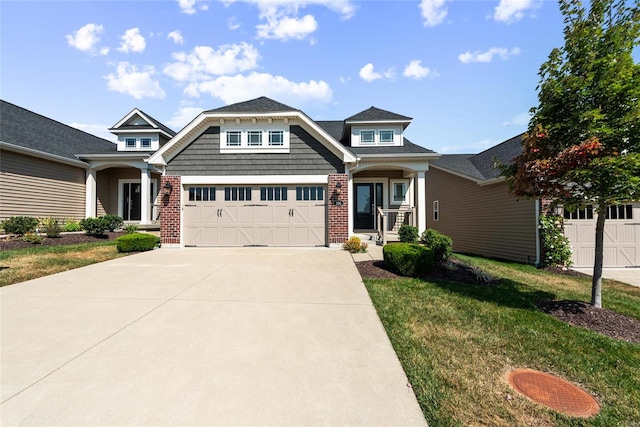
(156,129)
(350,201)
(253,179)
(195,128)
(421,201)
(407,192)
(90,194)
(42,155)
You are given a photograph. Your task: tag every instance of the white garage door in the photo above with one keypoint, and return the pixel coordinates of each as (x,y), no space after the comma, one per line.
(255,215)
(621,236)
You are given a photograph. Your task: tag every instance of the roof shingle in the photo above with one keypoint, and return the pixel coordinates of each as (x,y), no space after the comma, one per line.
(258,105)
(374,114)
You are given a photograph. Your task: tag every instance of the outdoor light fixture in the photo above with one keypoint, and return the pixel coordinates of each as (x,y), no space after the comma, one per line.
(338,186)
(167,188)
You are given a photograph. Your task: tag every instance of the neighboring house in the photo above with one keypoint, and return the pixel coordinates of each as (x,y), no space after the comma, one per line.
(263,173)
(470,202)
(51,169)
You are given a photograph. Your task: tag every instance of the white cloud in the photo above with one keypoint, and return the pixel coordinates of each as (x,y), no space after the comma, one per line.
(233,23)
(104,51)
(237,88)
(433,12)
(187,6)
(345,8)
(183,116)
(86,38)
(368,74)
(97,130)
(285,28)
(521,119)
(417,71)
(132,41)
(138,83)
(176,36)
(509,11)
(487,56)
(203,62)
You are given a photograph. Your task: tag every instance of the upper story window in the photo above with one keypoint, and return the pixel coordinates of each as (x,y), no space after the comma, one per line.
(367,137)
(386,136)
(145,142)
(130,142)
(254,138)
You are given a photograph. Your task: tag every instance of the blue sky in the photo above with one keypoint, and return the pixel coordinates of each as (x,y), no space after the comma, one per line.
(466,71)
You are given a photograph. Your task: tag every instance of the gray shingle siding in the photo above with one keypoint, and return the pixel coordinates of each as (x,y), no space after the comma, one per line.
(307,156)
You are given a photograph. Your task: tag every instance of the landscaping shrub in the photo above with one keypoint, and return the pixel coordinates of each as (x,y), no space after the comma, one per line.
(556,246)
(34,238)
(408,233)
(20,225)
(440,243)
(94,226)
(71,226)
(131,228)
(50,226)
(137,242)
(114,221)
(408,259)
(355,245)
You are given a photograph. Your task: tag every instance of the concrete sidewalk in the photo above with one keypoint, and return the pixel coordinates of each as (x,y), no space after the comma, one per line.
(249,336)
(630,276)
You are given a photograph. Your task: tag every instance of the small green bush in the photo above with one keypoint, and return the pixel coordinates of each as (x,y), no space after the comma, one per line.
(408,233)
(355,245)
(440,243)
(408,259)
(131,228)
(114,221)
(50,226)
(20,225)
(94,226)
(34,238)
(556,246)
(137,242)
(70,226)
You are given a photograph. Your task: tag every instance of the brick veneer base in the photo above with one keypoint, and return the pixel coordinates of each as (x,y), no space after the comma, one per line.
(170,211)
(338,215)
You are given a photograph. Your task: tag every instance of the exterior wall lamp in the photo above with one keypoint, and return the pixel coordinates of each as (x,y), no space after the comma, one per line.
(338,187)
(167,189)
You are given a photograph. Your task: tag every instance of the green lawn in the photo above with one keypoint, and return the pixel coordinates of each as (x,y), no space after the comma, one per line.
(457,342)
(38,261)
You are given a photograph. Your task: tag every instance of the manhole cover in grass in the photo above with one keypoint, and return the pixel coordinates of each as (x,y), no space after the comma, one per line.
(554,392)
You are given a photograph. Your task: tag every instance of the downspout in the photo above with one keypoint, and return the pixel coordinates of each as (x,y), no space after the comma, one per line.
(538,255)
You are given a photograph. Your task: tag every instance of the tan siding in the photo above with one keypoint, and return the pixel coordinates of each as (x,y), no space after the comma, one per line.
(483,220)
(36,187)
(103,191)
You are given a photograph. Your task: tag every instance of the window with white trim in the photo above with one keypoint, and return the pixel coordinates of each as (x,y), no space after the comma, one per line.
(254,138)
(367,137)
(399,192)
(436,210)
(386,136)
(234,138)
(130,142)
(276,137)
(145,142)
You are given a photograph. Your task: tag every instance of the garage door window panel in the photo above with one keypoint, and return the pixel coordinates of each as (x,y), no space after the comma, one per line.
(273,193)
(310,193)
(204,194)
(237,194)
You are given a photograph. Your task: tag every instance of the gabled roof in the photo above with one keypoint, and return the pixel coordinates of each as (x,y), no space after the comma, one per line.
(22,128)
(152,124)
(258,105)
(407,148)
(374,114)
(482,166)
(333,128)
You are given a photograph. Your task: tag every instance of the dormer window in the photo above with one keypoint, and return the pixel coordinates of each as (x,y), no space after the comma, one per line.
(145,142)
(130,142)
(254,138)
(234,138)
(276,137)
(367,137)
(386,137)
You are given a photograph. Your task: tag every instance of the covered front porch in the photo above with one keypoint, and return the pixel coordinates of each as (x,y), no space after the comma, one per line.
(384,196)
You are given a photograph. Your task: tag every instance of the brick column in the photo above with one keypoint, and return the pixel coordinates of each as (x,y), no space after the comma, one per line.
(170,211)
(338,215)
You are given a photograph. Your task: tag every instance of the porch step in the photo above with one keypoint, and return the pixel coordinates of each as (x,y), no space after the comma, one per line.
(148,227)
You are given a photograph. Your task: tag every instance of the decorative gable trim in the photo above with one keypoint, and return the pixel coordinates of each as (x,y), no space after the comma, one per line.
(143,116)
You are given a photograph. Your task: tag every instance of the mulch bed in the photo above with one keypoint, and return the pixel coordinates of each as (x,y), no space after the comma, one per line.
(64,239)
(575,313)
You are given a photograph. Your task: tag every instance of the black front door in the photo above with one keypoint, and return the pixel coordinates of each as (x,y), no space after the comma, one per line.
(364,218)
(131,201)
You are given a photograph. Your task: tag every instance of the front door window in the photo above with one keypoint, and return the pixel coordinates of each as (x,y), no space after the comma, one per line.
(365,207)
(131,201)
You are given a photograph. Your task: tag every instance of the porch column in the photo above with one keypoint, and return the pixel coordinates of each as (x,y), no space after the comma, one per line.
(350,202)
(421,203)
(90,194)
(145,195)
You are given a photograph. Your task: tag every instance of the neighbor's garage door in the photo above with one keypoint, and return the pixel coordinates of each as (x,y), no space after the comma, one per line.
(621,236)
(255,215)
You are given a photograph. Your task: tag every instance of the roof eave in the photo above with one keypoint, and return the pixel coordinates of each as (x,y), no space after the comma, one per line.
(43,155)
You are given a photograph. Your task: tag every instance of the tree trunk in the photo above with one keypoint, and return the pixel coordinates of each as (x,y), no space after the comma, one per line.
(596,284)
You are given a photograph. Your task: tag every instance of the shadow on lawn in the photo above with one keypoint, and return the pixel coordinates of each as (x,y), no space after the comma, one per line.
(506,293)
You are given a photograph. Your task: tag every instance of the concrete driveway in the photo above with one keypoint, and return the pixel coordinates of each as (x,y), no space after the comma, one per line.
(249,336)
(630,275)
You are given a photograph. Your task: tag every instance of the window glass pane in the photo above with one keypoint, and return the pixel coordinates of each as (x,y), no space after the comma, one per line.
(255,138)
(298,193)
(629,209)
(131,142)
(233,138)
(621,212)
(227,193)
(212,193)
(276,193)
(284,193)
(145,142)
(192,194)
(198,193)
(276,137)
(305,191)
(386,136)
(320,193)
(205,194)
(367,136)
(313,191)
(270,193)
(247,193)
(613,212)
(263,193)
